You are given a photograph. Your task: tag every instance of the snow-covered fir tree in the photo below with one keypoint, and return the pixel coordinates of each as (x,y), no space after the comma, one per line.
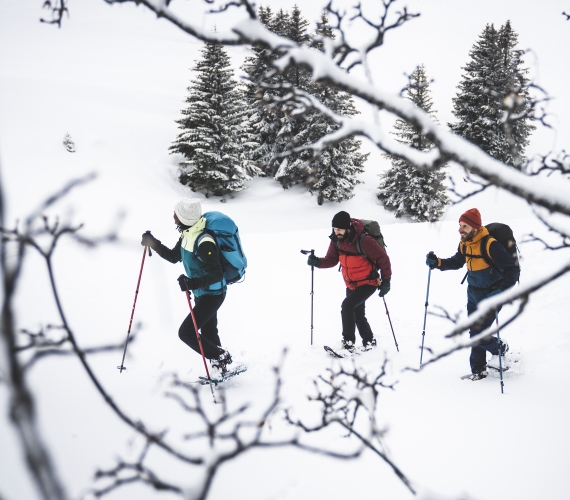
(270,122)
(493,101)
(216,137)
(294,168)
(331,175)
(405,189)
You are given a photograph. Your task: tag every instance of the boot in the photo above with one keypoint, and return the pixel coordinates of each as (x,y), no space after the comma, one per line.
(222,362)
(348,345)
(478,375)
(504,348)
(366,346)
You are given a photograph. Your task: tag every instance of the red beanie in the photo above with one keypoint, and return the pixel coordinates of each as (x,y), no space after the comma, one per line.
(472,217)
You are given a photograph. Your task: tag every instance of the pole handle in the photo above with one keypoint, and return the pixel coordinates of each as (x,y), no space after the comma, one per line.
(149,250)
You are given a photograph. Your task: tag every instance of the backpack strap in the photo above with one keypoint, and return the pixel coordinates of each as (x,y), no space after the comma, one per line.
(484,246)
(205,236)
(359,250)
(485,251)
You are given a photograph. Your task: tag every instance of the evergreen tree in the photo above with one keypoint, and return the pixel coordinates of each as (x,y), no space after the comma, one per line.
(409,191)
(332,175)
(493,97)
(216,137)
(271,124)
(295,129)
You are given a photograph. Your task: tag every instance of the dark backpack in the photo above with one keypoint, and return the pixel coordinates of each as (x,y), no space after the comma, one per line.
(504,235)
(372,228)
(225,233)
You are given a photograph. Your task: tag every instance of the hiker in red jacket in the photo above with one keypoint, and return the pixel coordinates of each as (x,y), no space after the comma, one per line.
(363,275)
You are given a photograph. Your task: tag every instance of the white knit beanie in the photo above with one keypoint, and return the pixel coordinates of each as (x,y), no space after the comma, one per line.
(189,211)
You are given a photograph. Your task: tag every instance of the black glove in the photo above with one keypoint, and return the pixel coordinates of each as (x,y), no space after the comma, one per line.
(313,260)
(432,260)
(148,240)
(384,287)
(186,284)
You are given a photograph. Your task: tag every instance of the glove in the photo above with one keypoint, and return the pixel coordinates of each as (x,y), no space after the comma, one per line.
(313,260)
(186,284)
(384,287)
(494,292)
(431,260)
(148,240)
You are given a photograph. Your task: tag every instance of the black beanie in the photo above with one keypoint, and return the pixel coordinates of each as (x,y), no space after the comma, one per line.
(341,220)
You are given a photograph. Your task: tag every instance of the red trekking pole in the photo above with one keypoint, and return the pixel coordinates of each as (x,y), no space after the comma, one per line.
(200,342)
(123,367)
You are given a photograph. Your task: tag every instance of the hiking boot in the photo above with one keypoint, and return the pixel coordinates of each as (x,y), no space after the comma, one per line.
(366,346)
(222,362)
(348,345)
(504,347)
(478,375)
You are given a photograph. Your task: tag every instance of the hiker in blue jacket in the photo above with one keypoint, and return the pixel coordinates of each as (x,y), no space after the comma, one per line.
(204,276)
(484,280)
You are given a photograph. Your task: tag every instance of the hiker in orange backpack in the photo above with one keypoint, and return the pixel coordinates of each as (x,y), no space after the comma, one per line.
(363,272)
(484,280)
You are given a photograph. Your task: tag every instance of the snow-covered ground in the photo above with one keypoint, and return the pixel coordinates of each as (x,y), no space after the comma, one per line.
(118,96)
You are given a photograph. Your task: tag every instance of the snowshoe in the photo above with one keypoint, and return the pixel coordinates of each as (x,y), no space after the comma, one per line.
(475,376)
(218,379)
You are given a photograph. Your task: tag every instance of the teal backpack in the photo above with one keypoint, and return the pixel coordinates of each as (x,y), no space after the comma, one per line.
(225,232)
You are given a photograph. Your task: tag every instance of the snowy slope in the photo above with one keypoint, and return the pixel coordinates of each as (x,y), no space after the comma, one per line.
(118,99)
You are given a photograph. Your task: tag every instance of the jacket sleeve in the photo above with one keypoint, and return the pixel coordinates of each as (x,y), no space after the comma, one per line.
(210,257)
(331,258)
(455,262)
(170,254)
(378,256)
(506,264)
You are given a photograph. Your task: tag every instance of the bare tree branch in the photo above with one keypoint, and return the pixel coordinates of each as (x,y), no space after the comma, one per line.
(343,395)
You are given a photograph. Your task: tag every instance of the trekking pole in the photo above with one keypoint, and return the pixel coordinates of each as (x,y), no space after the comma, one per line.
(123,367)
(312,252)
(500,360)
(425,317)
(200,343)
(393,334)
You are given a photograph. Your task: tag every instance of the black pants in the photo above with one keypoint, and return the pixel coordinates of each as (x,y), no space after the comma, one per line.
(206,314)
(478,358)
(352,313)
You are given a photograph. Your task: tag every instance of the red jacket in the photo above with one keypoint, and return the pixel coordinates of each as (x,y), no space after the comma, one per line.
(358,270)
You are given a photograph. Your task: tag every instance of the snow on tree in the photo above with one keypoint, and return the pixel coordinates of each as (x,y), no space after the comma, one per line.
(216,138)
(493,102)
(334,172)
(270,123)
(409,191)
(287,129)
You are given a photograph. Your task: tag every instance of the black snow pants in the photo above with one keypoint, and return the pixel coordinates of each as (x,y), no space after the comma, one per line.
(206,313)
(353,314)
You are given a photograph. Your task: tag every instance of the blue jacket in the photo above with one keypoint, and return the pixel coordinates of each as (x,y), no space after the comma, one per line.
(205,271)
